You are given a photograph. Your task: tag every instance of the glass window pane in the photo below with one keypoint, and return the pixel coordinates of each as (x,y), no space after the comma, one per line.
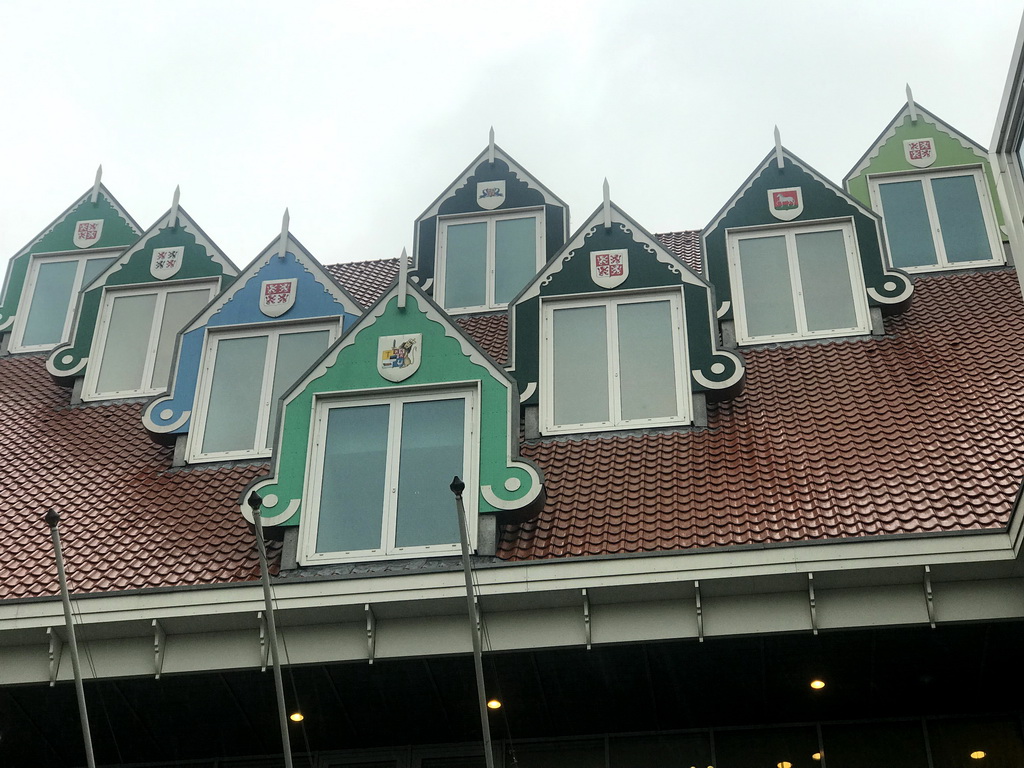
(295,353)
(825,280)
(127,343)
(878,745)
(580,349)
(964,236)
(767,289)
(93,267)
(515,256)
(766,747)
(431,454)
(679,750)
(953,741)
(647,361)
(465,265)
(180,307)
(234,401)
(352,491)
(906,224)
(51,302)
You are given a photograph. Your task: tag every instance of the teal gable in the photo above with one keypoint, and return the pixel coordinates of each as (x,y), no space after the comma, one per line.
(494,227)
(370,438)
(618,274)
(44,277)
(138,303)
(285,289)
(779,199)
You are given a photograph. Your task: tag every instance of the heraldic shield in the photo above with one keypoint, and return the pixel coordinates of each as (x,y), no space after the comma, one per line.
(87,233)
(609,269)
(398,357)
(920,153)
(786,204)
(166,262)
(278,296)
(490,194)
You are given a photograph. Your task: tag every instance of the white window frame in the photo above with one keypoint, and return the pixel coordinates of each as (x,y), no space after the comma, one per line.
(29,289)
(99,340)
(267,411)
(855,273)
(469,392)
(491,219)
(610,302)
(984,198)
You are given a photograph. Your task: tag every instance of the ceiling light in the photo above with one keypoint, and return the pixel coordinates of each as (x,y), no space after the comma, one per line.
(296,717)
(494,704)
(817,684)
(977,754)
(816,756)
(784,764)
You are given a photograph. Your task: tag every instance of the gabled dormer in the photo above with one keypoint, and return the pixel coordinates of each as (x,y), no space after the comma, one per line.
(370,438)
(246,348)
(617,333)
(935,191)
(792,256)
(487,235)
(127,319)
(44,277)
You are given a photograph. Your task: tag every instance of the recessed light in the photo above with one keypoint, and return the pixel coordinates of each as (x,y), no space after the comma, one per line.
(784,764)
(977,754)
(296,717)
(494,704)
(817,684)
(816,756)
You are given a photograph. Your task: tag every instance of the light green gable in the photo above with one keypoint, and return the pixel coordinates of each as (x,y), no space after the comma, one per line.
(118,230)
(886,155)
(508,486)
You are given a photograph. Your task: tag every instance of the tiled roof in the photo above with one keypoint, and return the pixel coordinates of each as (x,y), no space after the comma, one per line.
(365,280)
(128,520)
(685,245)
(918,431)
(490,332)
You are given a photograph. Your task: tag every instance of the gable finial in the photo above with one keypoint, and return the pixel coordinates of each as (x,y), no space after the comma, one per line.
(778,148)
(284,234)
(96,185)
(607,205)
(490,147)
(403,279)
(911,104)
(173,221)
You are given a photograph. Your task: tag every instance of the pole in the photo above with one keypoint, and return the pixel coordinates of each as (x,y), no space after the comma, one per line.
(52,520)
(458,487)
(254,502)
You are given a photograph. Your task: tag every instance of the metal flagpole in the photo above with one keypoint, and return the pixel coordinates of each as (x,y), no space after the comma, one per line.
(254,502)
(458,487)
(52,520)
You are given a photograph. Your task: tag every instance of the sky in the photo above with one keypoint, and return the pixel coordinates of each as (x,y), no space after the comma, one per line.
(357,115)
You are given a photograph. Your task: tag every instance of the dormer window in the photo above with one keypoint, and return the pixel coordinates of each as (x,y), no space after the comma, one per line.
(134,341)
(796,283)
(942,219)
(484,261)
(244,374)
(49,297)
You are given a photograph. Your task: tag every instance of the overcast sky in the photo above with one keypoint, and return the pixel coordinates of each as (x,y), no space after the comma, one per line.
(356,115)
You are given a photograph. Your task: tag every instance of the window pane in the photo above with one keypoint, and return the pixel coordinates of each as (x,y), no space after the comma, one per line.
(352,491)
(465,265)
(878,745)
(825,280)
(295,353)
(580,347)
(647,361)
(963,225)
(953,741)
(93,267)
(51,302)
(234,401)
(127,344)
(767,290)
(515,256)
(432,451)
(766,747)
(180,307)
(906,224)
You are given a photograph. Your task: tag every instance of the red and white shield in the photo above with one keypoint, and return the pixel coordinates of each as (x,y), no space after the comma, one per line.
(166,262)
(87,233)
(277,296)
(920,153)
(609,268)
(786,204)
(490,194)
(398,357)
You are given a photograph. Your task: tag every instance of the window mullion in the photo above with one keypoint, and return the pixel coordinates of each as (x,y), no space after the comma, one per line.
(264,415)
(389,520)
(935,226)
(614,392)
(799,312)
(492,259)
(154,339)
